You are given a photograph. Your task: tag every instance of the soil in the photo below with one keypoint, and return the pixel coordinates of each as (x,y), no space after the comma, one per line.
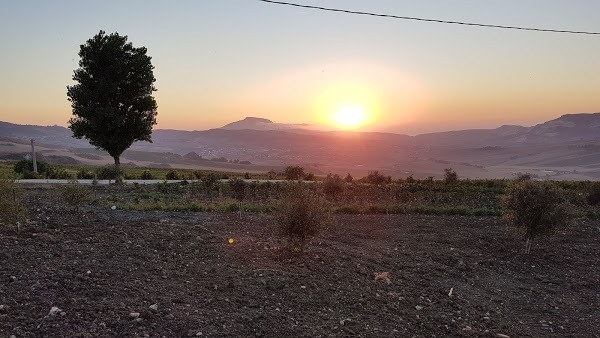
(112,273)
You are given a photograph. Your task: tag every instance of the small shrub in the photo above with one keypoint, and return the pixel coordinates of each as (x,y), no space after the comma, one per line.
(523,177)
(147,175)
(293,173)
(31,175)
(172,175)
(11,210)
(349,178)
(375,177)
(238,189)
(26,166)
(309,177)
(75,194)
(450,176)
(58,173)
(209,181)
(536,208)
(84,174)
(109,173)
(333,186)
(301,216)
(593,197)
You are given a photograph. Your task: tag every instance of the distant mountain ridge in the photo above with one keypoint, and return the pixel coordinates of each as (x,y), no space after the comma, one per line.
(569,143)
(565,129)
(259,123)
(249,123)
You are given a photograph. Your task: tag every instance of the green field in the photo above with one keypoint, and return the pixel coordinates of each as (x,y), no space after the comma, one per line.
(204,191)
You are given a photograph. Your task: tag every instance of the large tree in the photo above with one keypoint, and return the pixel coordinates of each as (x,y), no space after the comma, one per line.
(112,101)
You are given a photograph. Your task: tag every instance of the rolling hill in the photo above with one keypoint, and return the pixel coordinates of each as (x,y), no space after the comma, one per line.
(564,148)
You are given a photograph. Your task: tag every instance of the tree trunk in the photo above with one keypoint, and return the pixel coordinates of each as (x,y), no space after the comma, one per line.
(119,178)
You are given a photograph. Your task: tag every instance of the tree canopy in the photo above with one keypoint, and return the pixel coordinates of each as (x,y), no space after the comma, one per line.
(112,100)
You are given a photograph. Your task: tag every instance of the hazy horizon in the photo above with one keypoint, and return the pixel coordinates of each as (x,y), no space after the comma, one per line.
(218,62)
(411,131)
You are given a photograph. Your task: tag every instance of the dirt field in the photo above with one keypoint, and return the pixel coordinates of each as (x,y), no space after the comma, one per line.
(129,274)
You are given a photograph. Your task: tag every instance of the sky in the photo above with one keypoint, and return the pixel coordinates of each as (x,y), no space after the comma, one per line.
(218,61)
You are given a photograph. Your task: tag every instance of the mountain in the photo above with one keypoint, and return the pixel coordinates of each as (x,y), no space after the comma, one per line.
(258,123)
(566,148)
(51,134)
(567,128)
(255,123)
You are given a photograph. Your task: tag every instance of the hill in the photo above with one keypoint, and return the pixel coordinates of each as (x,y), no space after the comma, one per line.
(564,148)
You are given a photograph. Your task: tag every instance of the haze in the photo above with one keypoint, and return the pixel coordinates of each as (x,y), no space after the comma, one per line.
(219,61)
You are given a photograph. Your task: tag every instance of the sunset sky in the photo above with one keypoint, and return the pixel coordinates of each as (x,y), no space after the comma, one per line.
(218,61)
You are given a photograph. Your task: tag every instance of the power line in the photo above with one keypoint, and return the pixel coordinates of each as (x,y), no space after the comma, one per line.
(429,20)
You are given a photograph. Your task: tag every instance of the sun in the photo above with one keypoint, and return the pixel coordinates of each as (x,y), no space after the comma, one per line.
(347,105)
(349,116)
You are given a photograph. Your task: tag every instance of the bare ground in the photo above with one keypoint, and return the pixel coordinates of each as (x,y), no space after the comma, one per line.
(446,277)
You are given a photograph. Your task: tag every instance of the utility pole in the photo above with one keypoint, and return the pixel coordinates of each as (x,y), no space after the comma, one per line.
(33,157)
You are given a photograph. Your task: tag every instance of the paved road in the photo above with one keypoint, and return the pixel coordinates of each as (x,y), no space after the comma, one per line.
(106,182)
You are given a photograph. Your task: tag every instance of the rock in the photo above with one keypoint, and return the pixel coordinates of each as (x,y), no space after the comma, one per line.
(3,308)
(55,310)
(418,307)
(154,307)
(502,335)
(134,315)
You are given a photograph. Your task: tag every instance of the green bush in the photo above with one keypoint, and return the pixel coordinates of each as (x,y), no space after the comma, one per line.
(109,173)
(146,175)
(209,181)
(58,173)
(85,174)
(32,175)
(75,194)
(25,167)
(375,177)
(293,173)
(333,186)
(300,216)
(349,178)
(11,210)
(172,175)
(593,197)
(536,208)
(238,188)
(450,176)
(309,177)
(523,177)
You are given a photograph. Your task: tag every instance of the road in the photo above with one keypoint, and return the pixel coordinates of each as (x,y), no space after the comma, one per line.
(107,182)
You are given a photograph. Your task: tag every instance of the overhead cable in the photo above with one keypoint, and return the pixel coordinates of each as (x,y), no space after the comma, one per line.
(429,20)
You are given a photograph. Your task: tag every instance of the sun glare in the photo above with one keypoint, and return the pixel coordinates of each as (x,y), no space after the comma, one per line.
(350,117)
(347,105)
